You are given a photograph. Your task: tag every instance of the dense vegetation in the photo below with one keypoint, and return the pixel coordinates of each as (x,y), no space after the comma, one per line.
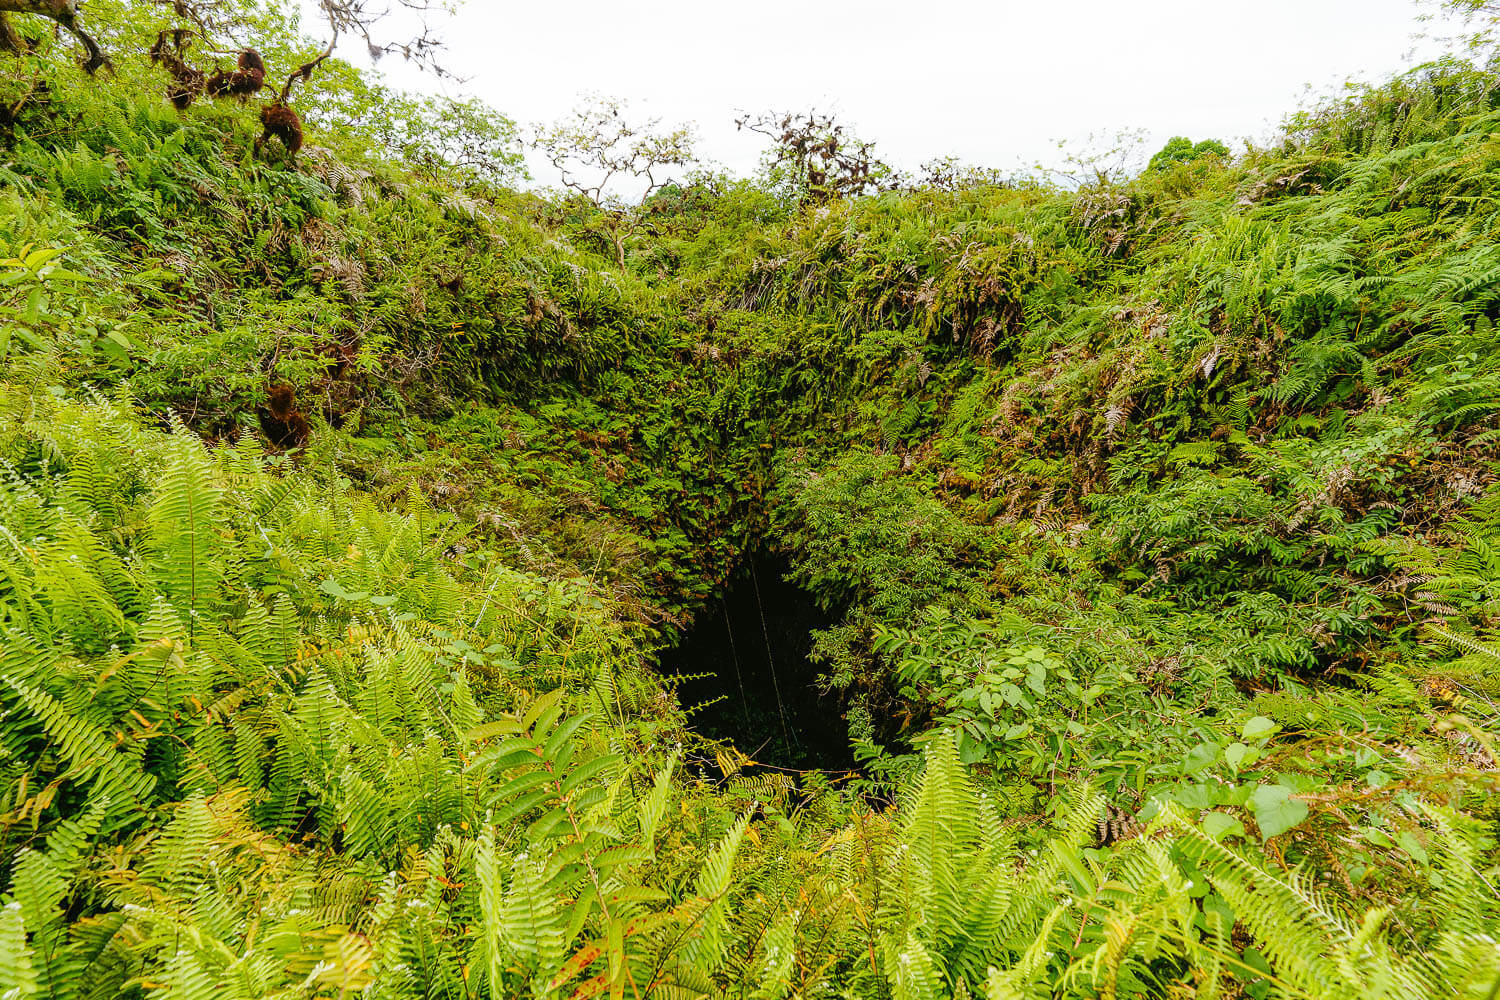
(345,499)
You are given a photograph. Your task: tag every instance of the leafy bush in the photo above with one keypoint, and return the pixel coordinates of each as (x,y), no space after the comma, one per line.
(1183,150)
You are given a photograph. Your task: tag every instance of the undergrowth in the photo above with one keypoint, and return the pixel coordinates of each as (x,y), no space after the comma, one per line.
(345,500)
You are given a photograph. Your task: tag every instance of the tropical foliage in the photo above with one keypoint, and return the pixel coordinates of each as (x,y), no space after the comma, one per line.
(346,501)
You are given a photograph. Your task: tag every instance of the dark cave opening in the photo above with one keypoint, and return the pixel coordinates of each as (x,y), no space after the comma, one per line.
(745,662)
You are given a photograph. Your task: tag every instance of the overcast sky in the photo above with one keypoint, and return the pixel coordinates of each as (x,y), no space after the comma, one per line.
(994,83)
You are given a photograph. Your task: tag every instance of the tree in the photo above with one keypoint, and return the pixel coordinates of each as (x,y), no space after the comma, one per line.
(948,173)
(1483,16)
(220,27)
(816,159)
(459,137)
(597,147)
(213,22)
(1180,149)
(1485,10)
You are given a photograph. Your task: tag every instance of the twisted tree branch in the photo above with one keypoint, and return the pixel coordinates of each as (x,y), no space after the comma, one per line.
(63,12)
(305,71)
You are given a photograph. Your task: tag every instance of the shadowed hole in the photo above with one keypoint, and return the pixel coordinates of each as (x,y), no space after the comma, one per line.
(760,690)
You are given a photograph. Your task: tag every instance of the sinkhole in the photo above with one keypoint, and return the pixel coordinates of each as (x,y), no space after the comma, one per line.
(744,672)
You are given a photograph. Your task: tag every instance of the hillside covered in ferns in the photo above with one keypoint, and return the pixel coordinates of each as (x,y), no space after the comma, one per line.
(357,506)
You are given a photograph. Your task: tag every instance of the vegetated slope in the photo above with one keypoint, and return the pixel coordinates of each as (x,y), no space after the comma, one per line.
(1163,513)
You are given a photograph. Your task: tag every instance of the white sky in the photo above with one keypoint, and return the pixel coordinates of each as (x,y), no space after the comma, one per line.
(994,83)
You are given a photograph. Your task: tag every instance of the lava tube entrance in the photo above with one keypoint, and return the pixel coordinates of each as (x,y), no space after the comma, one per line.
(747,676)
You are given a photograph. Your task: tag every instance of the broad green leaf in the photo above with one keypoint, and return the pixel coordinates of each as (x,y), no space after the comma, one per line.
(1257,728)
(1411,845)
(498,727)
(1276,811)
(1199,757)
(1220,825)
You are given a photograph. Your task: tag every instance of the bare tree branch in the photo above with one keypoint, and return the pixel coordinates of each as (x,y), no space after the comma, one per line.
(305,71)
(359,17)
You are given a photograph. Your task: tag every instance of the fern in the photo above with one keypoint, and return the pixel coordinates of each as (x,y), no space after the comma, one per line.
(184,524)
